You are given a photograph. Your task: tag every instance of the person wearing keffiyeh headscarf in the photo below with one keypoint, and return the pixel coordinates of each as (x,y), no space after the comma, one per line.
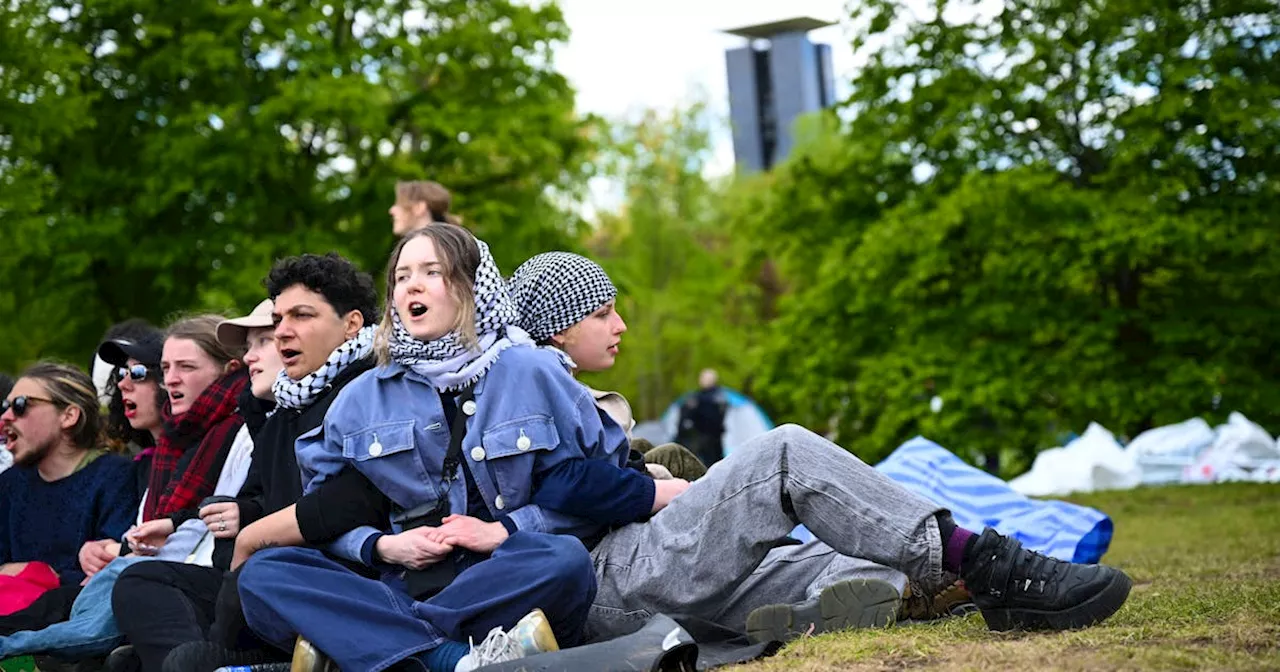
(725,529)
(486,451)
(307,341)
(568,303)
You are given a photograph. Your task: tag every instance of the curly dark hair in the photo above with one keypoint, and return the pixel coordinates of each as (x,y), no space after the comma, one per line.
(119,432)
(332,276)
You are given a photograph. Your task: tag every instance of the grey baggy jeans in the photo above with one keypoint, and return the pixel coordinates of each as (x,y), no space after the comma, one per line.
(705,553)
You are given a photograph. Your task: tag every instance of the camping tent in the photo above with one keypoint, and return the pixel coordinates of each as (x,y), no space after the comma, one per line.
(743,421)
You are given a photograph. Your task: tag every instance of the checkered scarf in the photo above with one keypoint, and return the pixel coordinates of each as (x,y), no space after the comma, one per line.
(298,394)
(446,361)
(207,428)
(556,290)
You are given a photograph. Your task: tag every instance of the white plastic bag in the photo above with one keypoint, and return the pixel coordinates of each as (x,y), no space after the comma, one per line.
(1165,452)
(1242,451)
(1095,461)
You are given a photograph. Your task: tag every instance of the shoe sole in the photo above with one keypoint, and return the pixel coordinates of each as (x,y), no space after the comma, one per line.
(307,658)
(1090,612)
(544,638)
(846,605)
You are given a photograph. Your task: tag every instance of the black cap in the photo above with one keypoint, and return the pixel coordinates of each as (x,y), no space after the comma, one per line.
(145,348)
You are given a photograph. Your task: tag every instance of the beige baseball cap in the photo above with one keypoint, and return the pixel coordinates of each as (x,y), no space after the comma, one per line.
(233,332)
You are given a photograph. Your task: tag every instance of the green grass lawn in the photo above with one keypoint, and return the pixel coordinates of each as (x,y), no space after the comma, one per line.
(1205,562)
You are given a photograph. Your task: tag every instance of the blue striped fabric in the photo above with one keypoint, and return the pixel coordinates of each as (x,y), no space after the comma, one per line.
(977,499)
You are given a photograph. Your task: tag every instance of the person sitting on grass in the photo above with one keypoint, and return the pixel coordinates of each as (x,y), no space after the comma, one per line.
(460,430)
(708,553)
(63,489)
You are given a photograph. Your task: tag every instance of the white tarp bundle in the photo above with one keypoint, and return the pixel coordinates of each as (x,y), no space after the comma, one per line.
(1188,452)
(1094,461)
(1165,452)
(1241,451)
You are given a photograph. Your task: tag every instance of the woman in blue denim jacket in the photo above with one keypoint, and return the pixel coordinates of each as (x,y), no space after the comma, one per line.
(473,540)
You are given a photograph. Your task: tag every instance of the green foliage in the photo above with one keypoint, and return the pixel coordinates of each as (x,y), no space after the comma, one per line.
(672,262)
(156,157)
(1060,214)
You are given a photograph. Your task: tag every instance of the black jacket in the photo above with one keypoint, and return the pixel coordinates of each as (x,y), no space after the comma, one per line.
(274,482)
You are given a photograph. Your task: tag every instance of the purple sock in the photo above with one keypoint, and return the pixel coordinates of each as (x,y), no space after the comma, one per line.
(955,542)
(953,552)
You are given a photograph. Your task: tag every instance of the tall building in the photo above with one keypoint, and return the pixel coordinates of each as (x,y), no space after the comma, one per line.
(778,76)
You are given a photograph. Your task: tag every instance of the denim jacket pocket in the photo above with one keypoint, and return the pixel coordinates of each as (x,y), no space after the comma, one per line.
(377,441)
(386,454)
(510,451)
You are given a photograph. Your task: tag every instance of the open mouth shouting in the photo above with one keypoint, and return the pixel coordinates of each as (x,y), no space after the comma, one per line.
(290,356)
(10,438)
(130,408)
(417,309)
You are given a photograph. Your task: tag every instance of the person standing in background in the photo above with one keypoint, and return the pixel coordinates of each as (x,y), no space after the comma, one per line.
(702,415)
(418,204)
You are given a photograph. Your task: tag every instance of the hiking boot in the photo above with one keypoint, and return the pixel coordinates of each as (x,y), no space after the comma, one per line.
(531,636)
(844,605)
(1018,589)
(919,605)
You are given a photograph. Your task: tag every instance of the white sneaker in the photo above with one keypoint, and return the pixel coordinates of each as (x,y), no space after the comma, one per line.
(532,635)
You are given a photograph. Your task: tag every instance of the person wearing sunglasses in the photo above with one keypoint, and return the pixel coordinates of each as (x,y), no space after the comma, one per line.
(63,489)
(91,627)
(135,416)
(319,322)
(6,460)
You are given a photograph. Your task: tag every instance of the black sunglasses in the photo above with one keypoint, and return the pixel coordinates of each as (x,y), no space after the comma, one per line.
(137,373)
(20,404)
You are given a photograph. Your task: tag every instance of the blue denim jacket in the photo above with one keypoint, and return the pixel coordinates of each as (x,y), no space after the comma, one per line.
(529,416)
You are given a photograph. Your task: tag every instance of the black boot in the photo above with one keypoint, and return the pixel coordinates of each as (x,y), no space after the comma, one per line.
(208,656)
(1017,589)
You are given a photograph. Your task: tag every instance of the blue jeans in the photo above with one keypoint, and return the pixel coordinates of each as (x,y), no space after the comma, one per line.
(367,624)
(91,630)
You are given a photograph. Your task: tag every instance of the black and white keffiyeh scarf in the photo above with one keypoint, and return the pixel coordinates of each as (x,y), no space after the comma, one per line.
(446,361)
(300,394)
(556,290)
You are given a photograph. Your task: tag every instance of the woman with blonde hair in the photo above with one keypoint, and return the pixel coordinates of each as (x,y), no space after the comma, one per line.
(479,443)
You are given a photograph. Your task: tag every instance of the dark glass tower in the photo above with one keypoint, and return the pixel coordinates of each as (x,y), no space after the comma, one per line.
(777,77)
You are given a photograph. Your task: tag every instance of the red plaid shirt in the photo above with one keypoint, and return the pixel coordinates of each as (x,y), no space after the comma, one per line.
(206,429)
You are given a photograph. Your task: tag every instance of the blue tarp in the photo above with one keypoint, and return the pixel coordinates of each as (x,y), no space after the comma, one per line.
(978,499)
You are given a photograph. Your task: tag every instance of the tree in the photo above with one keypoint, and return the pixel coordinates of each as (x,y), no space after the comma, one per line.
(1056,214)
(673,264)
(156,157)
